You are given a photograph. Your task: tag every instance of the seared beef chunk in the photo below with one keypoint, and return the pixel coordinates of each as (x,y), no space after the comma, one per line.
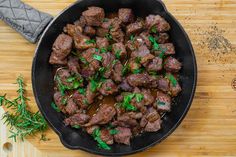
(106,136)
(71,106)
(108,87)
(73,64)
(77,119)
(172,64)
(90,31)
(118,49)
(163,102)
(163,84)
(61,49)
(175,89)
(155,65)
(102,43)
(123,136)
(82,42)
(157,22)
(80,100)
(141,80)
(120,77)
(143,54)
(104,115)
(73,29)
(134,28)
(94,16)
(126,15)
(117,72)
(125,86)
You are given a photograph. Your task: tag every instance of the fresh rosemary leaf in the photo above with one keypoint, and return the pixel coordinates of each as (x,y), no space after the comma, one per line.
(113,131)
(54,106)
(97,57)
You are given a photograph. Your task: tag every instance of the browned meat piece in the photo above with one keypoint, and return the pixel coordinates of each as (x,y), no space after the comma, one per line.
(81,22)
(94,16)
(107,23)
(90,31)
(73,64)
(155,65)
(163,84)
(87,71)
(143,122)
(130,46)
(157,22)
(119,98)
(172,65)
(71,107)
(126,15)
(88,55)
(108,87)
(80,100)
(115,24)
(152,115)
(101,32)
(90,95)
(107,63)
(125,86)
(90,129)
(163,38)
(123,135)
(125,120)
(64,74)
(71,29)
(117,72)
(153,126)
(175,89)
(58,101)
(134,63)
(168,48)
(82,42)
(102,42)
(61,49)
(163,102)
(104,115)
(106,136)
(144,36)
(135,115)
(118,49)
(118,35)
(143,53)
(141,80)
(134,28)
(148,99)
(77,119)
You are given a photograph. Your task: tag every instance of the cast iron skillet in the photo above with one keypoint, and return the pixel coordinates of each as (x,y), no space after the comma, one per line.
(42,77)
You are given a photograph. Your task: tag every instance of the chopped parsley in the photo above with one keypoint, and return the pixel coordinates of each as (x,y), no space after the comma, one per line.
(103,50)
(117,54)
(108,88)
(126,102)
(64,101)
(132,38)
(139,97)
(97,57)
(109,48)
(105,20)
(125,69)
(82,91)
(62,88)
(172,79)
(113,131)
(76,126)
(154,29)
(83,60)
(54,106)
(75,80)
(97,137)
(91,41)
(94,85)
(138,71)
(108,36)
(114,62)
(155,45)
(138,59)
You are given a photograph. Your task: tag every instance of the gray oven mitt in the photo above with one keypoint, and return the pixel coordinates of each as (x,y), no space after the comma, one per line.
(24,19)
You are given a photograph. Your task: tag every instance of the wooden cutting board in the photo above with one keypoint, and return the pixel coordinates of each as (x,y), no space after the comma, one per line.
(209,129)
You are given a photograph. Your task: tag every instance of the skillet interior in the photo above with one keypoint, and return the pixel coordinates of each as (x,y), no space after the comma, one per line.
(42,77)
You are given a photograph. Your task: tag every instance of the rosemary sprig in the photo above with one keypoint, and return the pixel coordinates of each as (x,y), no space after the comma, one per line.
(21,121)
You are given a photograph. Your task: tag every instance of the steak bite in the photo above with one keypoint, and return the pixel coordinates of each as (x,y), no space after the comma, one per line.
(126,15)
(73,64)
(157,22)
(72,30)
(94,16)
(143,53)
(168,48)
(108,87)
(141,80)
(82,42)
(134,28)
(77,119)
(102,43)
(106,136)
(123,136)
(118,49)
(71,106)
(172,64)
(90,31)
(104,115)
(57,97)
(117,72)
(155,65)
(163,102)
(107,64)
(61,49)
(163,84)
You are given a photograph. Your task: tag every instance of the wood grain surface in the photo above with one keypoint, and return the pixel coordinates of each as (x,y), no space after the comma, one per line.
(209,128)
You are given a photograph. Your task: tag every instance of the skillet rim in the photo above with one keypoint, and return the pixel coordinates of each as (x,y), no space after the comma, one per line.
(33,79)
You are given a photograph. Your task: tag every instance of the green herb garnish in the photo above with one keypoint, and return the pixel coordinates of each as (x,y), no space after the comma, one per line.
(97,57)
(82,91)
(97,137)
(20,120)
(125,69)
(154,43)
(139,97)
(64,101)
(76,126)
(108,36)
(91,41)
(113,131)
(126,102)
(172,79)
(62,88)
(117,54)
(93,85)
(138,59)
(138,71)
(83,60)
(160,103)
(132,38)
(103,50)
(54,106)
(154,29)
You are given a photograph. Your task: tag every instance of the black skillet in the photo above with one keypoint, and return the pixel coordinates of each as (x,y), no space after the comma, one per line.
(42,76)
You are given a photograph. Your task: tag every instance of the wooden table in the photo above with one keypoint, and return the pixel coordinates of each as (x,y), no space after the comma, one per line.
(209,129)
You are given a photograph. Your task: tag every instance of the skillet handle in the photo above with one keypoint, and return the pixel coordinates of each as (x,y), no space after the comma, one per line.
(26,20)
